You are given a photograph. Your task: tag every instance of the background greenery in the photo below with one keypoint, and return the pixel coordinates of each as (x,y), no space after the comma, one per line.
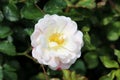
(99,20)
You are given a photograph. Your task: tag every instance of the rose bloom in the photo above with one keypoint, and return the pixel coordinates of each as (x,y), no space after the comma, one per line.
(56,41)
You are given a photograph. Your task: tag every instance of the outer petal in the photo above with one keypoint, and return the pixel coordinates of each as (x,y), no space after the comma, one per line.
(36,53)
(35,38)
(78,38)
(65,66)
(66,54)
(53,63)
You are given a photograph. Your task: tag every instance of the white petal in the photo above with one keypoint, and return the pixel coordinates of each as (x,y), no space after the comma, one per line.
(78,37)
(65,66)
(71,45)
(53,62)
(34,38)
(36,53)
(65,55)
(70,29)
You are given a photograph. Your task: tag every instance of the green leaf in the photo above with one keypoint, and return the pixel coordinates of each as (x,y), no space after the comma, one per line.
(73,75)
(105,78)
(11,12)
(112,35)
(9,75)
(54,6)
(1,16)
(112,74)
(8,67)
(31,12)
(116,24)
(87,40)
(86,4)
(4,31)
(107,20)
(118,74)
(29,31)
(86,29)
(14,64)
(39,76)
(7,48)
(1,73)
(117,53)
(90,58)
(79,67)
(108,63)
(75,15)
(66,75)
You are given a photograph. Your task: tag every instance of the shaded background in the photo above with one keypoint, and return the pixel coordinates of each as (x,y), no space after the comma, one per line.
(99,20)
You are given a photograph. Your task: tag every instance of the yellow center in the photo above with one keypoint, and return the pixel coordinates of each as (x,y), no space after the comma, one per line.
(57,38)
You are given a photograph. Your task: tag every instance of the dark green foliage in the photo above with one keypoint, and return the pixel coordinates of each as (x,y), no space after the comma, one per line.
(99,20)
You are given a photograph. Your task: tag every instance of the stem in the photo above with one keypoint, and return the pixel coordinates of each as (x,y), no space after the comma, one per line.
(25,53)
(45,73)
(39,8)
(67,9)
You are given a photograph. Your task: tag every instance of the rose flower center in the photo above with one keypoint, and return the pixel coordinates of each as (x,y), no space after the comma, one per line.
(56,39)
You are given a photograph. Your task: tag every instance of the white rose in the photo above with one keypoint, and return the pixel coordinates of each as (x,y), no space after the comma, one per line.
(56,42)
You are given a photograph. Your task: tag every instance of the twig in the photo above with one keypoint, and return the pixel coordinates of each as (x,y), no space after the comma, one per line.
(39,8)
(67,9)
(45,73)
(25,53)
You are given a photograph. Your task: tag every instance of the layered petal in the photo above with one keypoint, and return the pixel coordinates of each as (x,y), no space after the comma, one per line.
(56,41)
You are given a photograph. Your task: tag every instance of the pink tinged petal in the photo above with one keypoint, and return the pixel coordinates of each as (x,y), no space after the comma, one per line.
(65,66)
(58,68)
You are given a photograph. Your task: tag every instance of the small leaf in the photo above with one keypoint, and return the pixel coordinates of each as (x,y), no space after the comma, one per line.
(87,41)
(79,67)
(107,20)
(1,16)
(90,58)
(105,78)
(29,31)
(31,12)
(112,74)
(86,29)
(4,31)
(66,75)
(8,67)
(54,6)
(73,75)
(117,53)
(7,48)
(9,75)
(108,63)
(1,73)
(86,4)
(118,74)
(112,35)
(11,12)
